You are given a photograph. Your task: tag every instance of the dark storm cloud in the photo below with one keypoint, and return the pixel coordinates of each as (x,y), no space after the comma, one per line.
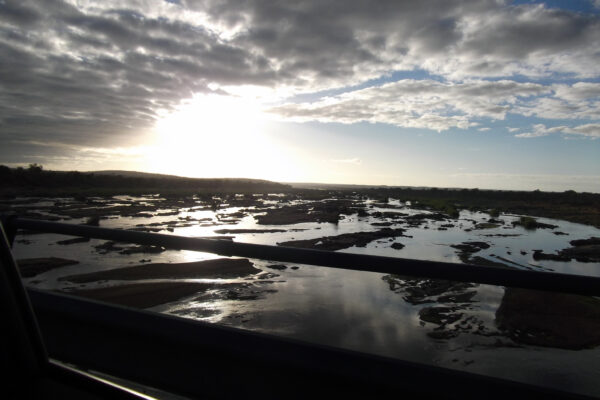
(455,38)
(82,78)
(98,72)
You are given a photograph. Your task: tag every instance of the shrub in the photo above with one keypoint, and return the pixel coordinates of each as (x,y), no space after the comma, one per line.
(528,222)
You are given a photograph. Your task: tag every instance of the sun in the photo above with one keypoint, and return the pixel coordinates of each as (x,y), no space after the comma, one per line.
(212,136)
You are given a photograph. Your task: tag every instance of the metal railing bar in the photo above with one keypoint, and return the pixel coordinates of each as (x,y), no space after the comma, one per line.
(548,281)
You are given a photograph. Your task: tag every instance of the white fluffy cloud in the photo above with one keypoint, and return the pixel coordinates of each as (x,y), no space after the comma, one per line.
(590,130)
(419,103)
(587,130)
(540,130)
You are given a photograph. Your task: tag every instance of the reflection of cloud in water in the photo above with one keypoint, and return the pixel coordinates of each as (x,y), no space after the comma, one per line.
(348,310)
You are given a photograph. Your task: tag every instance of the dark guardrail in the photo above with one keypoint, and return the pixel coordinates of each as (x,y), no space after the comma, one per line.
(202,360)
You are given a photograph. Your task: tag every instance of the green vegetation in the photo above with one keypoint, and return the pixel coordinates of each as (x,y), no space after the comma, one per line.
(583,208)
(528,222)
(445,206)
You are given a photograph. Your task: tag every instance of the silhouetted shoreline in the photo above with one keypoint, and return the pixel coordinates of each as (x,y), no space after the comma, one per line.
(34,181)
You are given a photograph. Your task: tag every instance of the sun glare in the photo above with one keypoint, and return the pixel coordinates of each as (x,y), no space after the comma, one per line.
(216,136)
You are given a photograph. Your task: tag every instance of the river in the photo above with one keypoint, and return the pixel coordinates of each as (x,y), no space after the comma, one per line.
(450,325)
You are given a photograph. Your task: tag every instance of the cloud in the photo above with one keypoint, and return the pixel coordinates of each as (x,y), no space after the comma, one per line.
(539,130)
(316,40)
(417,103)
(578,101)
(98,73)
(83,74)
(443,105)
(587,130)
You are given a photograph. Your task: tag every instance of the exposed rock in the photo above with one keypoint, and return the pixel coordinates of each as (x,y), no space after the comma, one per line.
(432,216)
(231,217)
(585,253)
(93,221)
(142,215)
(323,211)
(419,291)
(279,267)
(168,213)
(144,295)
(73,241)
(107,247)
(382,223)
(582,251)
(30,267)
(482,261)
(486,225)
(397,246)
(540,255)
(143,249)
(217,268)
(585,242)
(240,231)
(471,247)
(502,234)
(247,292)
(361,212)
(439,315)
(388,214)
(465,297)
(550,319)
(453,301)
(358,239)
(532,223)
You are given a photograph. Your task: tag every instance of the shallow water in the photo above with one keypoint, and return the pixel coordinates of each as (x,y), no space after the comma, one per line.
(353,309)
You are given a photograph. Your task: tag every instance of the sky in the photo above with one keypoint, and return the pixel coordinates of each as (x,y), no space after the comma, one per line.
(491,94)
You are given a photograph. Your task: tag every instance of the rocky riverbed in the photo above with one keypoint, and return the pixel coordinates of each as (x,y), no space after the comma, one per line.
(438,322)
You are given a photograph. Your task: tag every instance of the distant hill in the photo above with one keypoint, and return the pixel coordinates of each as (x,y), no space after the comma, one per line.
(150,175)
(346,186)
(37,181)
(136,174)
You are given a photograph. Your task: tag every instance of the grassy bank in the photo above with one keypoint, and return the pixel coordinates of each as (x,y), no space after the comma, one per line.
(583,208)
